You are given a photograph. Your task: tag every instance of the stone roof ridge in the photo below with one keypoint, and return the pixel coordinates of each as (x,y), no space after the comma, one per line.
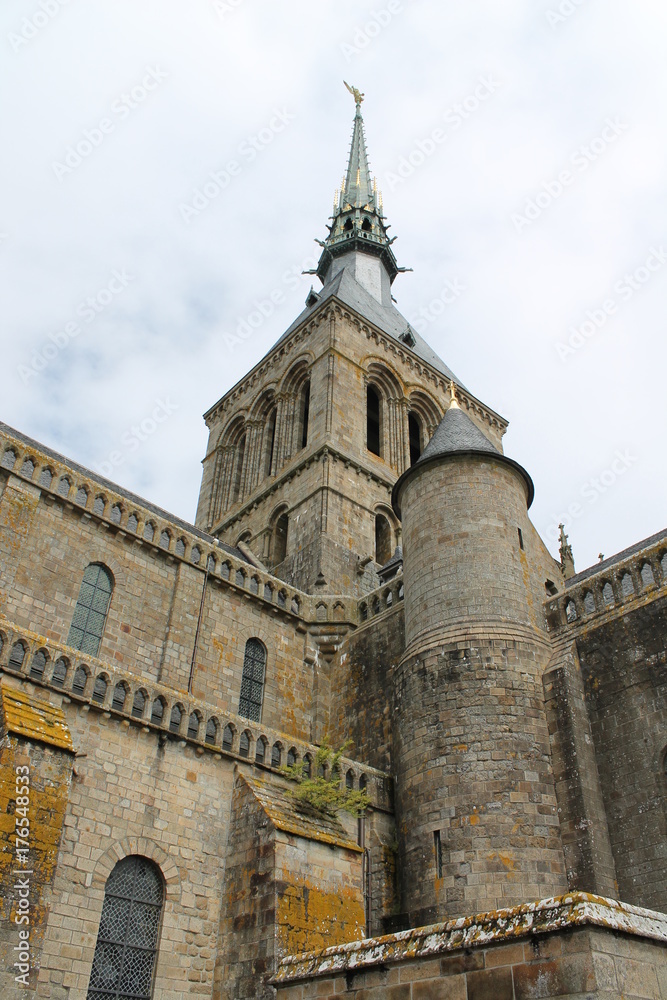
(134,498)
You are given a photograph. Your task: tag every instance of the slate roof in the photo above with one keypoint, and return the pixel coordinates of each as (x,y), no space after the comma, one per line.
(347,290)
(456,432)
(132,497)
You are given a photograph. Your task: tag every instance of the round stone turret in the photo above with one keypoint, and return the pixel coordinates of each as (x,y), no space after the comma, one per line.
(476,807)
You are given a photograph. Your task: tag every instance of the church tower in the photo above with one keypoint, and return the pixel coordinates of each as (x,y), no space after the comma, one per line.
(304,451)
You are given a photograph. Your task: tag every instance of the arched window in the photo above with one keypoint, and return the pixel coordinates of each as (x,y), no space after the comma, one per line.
(17,656)
(238,469)
(608,594)
(157,712)
(304,413)
(227,737)
(291,757)
(244,744)
(589,603)
(252,681)
(81,496)
(8,459)
(280,530)
(175,719)
(98,505)
(260,750)
(382,539)
(45,478)
(212,731)
(100,689)
(276,755)
(372,420)
(91,609)
(79,680)
(132,522)
(415,435)
(28,468)
(116,514)
(307,766)
(38,664)
(349,780)
(193,726)
(138,704)
(126,949)
(59,673)
(119,696)
(270,441)
(64,487)
(149,531)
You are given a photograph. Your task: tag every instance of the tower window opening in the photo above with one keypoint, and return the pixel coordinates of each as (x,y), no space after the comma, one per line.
(270,442)
(382,539)
(280,531)
(238,469)
(366,225)
(520,538)
(437,843)
(348,226)
(305,412)
(372,420)
(415,435)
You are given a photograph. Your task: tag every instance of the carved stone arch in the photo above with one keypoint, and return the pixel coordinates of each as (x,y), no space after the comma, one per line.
(278,534)
(385,378)
(296,374)
(427,409)
(294,396)
(233,430)
(385,527)
(385,413)
(147,849)
(263,403)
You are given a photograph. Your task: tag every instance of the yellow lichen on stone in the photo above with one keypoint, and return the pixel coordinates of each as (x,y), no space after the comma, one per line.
(309,918)
(34,718)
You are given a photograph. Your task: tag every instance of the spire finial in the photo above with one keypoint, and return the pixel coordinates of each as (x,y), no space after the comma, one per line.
(452,392)
(566,557)
(356,93)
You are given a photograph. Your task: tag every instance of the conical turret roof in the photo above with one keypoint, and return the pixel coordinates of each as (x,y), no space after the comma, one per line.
(457,434)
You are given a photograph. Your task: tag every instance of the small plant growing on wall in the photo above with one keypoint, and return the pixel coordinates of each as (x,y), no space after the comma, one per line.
(322,791)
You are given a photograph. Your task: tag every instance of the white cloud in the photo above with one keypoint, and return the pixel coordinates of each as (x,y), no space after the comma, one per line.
(226,75)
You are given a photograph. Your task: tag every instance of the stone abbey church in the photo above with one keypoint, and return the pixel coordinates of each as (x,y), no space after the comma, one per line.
(362,568)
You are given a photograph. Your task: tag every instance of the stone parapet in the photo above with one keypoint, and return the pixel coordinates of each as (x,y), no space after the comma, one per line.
(568,946)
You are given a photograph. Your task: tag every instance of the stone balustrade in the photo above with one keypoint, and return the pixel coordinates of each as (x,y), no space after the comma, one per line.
(639,576)
(171,714)
(382,599)
(167,536)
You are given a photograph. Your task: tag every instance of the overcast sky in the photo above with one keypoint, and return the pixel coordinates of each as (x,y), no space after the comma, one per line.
(521,148)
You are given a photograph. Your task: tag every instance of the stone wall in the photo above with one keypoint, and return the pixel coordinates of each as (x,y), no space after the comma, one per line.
(624,667)
(584,948)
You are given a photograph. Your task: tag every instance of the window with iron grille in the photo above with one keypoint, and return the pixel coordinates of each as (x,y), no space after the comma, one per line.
(91,610)
(126,949)
(252,681)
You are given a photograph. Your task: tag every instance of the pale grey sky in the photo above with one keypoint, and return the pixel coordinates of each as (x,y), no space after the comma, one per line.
(521,147)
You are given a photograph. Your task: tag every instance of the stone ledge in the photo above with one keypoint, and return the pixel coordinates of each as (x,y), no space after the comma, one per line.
(576,909)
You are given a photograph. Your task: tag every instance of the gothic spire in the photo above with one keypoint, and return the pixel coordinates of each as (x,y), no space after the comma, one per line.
(358,222)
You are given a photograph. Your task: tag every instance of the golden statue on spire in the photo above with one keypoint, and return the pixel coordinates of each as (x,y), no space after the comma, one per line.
(358,96)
